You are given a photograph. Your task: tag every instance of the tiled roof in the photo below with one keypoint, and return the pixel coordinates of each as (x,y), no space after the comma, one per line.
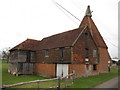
(28,44)
(60,40)
(63,39)
(67,38)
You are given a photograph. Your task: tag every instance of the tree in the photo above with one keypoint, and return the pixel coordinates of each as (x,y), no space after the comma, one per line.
(0,55)
(5,54)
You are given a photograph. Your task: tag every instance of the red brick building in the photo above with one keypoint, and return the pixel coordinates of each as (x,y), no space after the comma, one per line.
(81,50)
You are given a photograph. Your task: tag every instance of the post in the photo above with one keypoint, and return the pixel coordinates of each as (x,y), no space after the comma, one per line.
(58,83)
(65,82)
(38,85)
(73,77)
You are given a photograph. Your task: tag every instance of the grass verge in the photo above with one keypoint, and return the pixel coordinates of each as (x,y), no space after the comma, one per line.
(93,81)
(88,82)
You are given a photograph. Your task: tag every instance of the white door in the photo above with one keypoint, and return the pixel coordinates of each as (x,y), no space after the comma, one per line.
(62,70)
(65,69)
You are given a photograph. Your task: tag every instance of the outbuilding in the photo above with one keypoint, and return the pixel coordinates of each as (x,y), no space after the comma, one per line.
(81,50)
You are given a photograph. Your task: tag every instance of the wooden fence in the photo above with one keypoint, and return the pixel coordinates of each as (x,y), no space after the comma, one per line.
(60,82)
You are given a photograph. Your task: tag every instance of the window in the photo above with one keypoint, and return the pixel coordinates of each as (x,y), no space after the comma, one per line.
(62,53)
(86,35)
(46,53)
(94,67)
(94,52)
(28,56)
(86,49)
(87,66)
(86,59)
(67,47)
(87,52)
(56,49)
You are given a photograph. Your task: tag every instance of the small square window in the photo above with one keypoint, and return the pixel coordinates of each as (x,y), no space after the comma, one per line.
(86,59)
(94,67)
(86,35)
(86,49)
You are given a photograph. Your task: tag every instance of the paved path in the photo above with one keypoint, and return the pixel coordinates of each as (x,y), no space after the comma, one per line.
(113,83)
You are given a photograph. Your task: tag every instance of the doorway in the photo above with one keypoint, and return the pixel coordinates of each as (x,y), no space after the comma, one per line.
(62,70)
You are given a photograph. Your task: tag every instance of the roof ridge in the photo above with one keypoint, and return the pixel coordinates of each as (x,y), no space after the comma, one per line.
(61,33)
(32,39)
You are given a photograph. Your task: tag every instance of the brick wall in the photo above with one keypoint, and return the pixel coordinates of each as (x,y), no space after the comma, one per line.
(47,70)
(54,56)
(82,71)
(103,63)
(79,51)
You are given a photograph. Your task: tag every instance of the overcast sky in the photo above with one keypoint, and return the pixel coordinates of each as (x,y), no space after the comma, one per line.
(36,19)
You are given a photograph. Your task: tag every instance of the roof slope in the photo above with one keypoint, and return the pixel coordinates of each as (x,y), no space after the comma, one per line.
(94,31)
(60,40)
(63,39)
(28,44)
(67,38)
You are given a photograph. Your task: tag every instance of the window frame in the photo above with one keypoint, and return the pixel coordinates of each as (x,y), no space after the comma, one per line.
(94,53)
(86,34)
(87,52)
(46,52)
(62,53)
(94,67)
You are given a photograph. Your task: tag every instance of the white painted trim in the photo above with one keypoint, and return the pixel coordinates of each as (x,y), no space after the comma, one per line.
(90,27)
(79,35)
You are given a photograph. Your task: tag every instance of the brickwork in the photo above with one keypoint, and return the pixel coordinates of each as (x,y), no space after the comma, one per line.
(104,57)
(54,56)
(82,71)
(47,70)
(79,49)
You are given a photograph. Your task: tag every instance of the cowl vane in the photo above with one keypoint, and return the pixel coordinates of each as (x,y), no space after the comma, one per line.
(88,12)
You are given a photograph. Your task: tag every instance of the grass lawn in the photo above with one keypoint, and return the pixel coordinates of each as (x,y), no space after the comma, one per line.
(88,82)
(8,79)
